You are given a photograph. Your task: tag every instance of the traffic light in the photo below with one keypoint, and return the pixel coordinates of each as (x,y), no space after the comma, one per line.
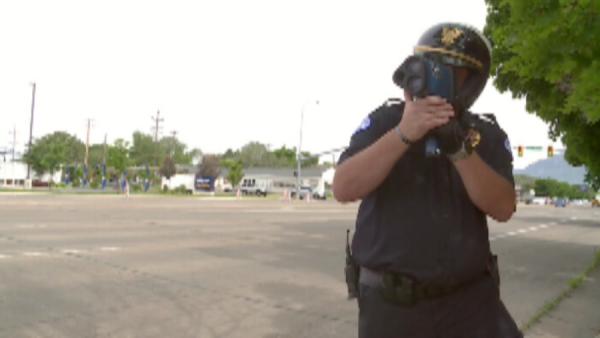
(520,151)
(550,151)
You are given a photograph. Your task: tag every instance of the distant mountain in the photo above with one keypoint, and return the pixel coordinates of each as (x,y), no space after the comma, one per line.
(555,167)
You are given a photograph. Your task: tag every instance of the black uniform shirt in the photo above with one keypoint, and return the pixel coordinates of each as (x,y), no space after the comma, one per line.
(420,220)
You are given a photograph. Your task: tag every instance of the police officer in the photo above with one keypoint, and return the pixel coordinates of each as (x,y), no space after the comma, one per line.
(428,173)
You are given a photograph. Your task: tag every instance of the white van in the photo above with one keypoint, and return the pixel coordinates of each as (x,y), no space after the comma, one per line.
(258,186)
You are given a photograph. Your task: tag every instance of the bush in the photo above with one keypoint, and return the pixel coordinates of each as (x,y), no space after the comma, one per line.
(137,187)
(181,190)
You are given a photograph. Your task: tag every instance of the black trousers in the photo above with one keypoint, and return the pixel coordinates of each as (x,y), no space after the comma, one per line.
(473,312)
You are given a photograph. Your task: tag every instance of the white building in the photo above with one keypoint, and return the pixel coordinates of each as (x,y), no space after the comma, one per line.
(12,174)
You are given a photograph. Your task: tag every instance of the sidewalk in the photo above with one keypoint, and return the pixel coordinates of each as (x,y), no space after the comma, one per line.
(575,317)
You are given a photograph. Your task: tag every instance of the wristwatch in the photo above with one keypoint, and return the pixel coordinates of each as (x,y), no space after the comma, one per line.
(469,144)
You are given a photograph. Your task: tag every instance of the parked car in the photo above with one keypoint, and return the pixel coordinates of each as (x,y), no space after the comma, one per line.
(304,192)
(539,200)
(560,202)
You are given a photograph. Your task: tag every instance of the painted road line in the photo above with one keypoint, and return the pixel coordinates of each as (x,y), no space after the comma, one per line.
(35,254)
(109,248)
(4,256)
(521,231)
(71,251)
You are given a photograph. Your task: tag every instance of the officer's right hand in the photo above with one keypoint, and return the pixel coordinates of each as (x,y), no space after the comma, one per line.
(422,115)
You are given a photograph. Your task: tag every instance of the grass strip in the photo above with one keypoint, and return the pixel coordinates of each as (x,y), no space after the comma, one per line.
(573,285)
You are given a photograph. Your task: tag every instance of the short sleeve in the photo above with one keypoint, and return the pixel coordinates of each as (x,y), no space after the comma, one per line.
(495,150)
(370,130)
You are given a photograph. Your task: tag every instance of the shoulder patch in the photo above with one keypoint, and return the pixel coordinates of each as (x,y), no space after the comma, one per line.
(507,146)
(364,125)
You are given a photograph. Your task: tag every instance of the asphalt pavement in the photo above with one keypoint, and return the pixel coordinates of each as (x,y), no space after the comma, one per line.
(151,266)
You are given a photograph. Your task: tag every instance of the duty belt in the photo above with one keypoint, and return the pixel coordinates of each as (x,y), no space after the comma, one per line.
(403,290)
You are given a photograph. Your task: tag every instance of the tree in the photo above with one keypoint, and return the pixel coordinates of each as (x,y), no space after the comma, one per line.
(547,51)
(554,188)
(235,171)
(171,146)
(52,151)
(254,154)
(168,169)
(286,157)
(143,150)
(309,160)
(96,154)
(209,167)
(118,156)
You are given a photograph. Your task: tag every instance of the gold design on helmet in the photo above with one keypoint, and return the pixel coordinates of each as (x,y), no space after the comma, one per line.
(472,61)
(449,35)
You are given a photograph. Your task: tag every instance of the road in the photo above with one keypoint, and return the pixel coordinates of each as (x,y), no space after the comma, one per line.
(150,266)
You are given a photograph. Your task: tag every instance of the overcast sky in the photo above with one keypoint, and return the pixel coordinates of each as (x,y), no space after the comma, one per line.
(222,73)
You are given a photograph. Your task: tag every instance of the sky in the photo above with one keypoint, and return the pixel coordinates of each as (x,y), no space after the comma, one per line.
(222,73)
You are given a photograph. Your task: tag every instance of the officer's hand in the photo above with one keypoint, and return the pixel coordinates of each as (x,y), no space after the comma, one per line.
(424,114)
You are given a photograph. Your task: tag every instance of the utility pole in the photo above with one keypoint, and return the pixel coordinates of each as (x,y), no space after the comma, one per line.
(87,142)
(14,142)
(104,150)
(299,155)
(31,127)
(157,121)
(173,140)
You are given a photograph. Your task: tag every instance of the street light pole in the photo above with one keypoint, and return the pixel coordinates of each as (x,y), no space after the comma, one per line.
(299,154)
(31,127)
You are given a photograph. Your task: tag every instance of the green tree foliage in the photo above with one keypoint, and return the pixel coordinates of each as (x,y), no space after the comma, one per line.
(144,150)
(526,182)
(235,171)
(209,167)
(286,156)
(52,151)
(256,154)
(168,169)
(171,146)
(309,160)
(118,156)
(554,188)
(96,154)
(548,52)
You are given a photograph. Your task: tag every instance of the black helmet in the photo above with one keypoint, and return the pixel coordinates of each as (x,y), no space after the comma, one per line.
(463,46)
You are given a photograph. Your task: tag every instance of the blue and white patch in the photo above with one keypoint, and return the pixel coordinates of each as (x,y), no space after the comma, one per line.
(364,125)
(507,146)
